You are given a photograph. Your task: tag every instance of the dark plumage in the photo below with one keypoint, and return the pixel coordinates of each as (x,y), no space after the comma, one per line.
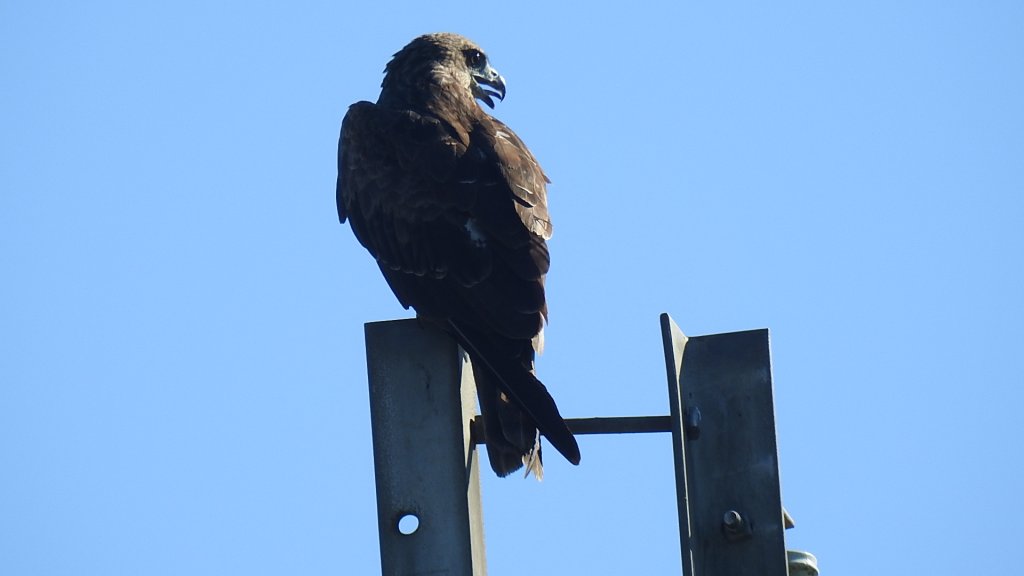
(453,206)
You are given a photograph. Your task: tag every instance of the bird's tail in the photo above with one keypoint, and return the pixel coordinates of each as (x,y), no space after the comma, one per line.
(514,404)
(511,435)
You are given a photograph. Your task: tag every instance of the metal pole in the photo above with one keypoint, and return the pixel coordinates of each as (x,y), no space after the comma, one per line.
(422,401)
(674,342)
(422,407)
(731,517)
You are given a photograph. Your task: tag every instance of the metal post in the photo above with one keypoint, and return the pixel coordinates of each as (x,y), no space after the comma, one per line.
(422,401)
(727,466)
(422,407)
(675,344)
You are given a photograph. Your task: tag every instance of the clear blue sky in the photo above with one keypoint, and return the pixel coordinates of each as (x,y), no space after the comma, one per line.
(181,356)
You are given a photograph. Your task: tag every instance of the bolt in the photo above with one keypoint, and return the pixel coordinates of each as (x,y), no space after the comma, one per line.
(732,521)
(735,527)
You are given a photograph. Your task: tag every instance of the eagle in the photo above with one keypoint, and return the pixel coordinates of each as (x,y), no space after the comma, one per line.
(453,207)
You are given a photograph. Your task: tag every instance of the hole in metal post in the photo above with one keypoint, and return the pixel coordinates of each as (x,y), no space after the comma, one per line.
(408,523)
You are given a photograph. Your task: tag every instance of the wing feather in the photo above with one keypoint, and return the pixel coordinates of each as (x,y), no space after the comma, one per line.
(394,169)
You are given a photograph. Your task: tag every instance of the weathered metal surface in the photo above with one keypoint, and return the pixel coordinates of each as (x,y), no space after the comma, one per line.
(730,499)
(422,400)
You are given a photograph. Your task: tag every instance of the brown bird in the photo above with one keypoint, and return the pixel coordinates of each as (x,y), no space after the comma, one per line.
(453,206)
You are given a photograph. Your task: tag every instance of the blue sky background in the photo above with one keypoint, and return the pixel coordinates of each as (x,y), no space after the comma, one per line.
(181,355)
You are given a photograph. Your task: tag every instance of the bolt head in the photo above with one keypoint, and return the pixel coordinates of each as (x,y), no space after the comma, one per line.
(732,519)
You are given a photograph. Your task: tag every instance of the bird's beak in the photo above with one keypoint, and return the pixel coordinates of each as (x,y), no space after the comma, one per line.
(487,83)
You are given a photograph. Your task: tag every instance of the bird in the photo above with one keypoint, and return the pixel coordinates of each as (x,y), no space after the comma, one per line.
(453,207)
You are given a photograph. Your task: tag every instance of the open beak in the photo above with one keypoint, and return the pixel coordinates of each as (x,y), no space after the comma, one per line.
(488,83)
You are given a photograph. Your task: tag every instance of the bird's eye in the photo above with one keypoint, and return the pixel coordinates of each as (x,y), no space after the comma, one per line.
(475,59)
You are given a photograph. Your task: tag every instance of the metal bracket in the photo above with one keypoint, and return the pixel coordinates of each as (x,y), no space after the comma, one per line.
(727,482)
(422,407)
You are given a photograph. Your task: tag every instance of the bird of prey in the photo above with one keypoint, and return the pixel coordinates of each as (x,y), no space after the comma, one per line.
(453,207)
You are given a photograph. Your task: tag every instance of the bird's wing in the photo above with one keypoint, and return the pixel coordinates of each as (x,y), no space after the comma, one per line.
(394,174)
(508,188)
(427,200)
(523,175)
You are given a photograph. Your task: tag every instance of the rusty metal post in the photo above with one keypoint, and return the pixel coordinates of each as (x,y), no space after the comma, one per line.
(422,401)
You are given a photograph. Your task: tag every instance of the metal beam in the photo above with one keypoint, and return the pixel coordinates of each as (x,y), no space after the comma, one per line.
(422,407)
(620,425)
(727,466)
(601,425)
(422,401)
(674,342)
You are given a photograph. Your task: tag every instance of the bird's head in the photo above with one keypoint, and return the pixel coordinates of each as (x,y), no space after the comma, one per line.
(448,63)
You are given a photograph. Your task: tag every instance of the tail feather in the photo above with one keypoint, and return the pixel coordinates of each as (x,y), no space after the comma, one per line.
(511,436)
(515,404)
